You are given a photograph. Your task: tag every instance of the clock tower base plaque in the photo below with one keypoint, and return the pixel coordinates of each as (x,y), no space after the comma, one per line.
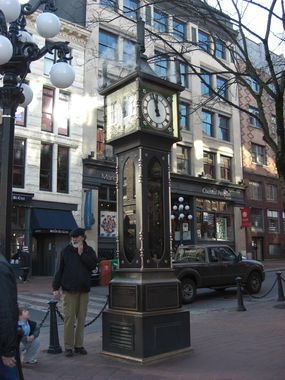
(145,322)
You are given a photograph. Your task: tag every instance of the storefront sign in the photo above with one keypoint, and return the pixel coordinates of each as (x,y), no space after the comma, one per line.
(244,217)
(22,197)
(224,193)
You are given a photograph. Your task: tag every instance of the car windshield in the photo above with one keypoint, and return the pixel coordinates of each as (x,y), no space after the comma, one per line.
(190,254)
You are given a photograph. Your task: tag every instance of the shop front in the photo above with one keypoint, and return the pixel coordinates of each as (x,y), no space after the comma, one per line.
(212,215)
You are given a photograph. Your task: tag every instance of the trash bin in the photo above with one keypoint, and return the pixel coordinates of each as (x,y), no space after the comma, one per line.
(105,272)
(114,266)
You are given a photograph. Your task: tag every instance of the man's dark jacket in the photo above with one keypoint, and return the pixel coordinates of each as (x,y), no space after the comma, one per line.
(74,271)
(8,309)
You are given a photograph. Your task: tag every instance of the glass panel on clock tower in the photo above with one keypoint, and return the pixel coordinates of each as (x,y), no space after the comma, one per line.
(129,210)
(155,209)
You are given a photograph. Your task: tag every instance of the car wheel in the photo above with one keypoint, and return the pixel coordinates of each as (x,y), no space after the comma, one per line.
(253,284)
(188,290)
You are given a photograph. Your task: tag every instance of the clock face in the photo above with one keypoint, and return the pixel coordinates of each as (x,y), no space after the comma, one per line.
(156,110)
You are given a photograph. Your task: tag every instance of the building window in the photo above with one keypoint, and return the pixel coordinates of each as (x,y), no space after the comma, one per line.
(46,167)
(253,122)
(271,192)
(257,219)
(129,53)
(258,154)
(148,15)
(253,84)
(161,65)
(220,49)
(207,123)
(20,116)
(214,220)
(224,128)
(19,163)
(184,116)
(255,190)
(205,83)
(62,169)
(222,87)
(183,159)
(47,109)
(209,164)
(111,4)
(179,30)
(226,168)
(63,114)
(183,72)
(204,41)
(49,60)
(160,21)
(130,8)
(273,221)
(108,43)
(273,124)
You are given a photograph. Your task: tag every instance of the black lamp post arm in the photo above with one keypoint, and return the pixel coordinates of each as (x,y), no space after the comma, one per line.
(3,25)
(28,9)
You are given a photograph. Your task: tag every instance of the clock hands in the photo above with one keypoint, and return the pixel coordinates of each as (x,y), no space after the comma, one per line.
(156,109)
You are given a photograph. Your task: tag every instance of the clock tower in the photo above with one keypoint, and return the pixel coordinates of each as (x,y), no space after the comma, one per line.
(144,320)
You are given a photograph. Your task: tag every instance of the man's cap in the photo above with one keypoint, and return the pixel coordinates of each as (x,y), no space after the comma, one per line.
(25,248)
(77,232)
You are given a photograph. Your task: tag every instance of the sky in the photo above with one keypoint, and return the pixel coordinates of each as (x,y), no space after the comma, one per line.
(255,18)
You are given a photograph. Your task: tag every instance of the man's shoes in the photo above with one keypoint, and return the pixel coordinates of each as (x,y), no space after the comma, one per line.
(68,353)
(80,350)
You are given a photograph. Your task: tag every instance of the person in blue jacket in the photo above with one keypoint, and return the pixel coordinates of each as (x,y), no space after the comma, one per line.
(30,342)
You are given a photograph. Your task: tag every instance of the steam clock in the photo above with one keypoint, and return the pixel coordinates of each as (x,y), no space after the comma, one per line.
(144,320)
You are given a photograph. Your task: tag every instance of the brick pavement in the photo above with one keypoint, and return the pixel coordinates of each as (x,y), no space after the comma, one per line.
(226,345)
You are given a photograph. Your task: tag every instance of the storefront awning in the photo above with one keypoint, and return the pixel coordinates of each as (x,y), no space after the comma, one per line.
(54,221)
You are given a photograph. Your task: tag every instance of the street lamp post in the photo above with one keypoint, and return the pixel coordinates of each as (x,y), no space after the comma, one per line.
(181,213)
(17,52)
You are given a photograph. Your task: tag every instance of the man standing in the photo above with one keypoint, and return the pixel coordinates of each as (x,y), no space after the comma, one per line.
(73,276)
(8,322)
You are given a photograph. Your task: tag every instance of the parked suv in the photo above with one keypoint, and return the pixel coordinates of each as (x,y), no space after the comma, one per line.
(214,266)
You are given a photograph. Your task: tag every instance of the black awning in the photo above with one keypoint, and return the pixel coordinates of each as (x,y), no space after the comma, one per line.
(46,220)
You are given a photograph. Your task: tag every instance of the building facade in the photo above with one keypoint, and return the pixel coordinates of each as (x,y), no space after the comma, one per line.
(47,170)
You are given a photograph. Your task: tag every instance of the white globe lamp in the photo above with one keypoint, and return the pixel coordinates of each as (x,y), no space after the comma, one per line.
(6,50)
(48,25)
(62,75)
(28,94)
(11,9)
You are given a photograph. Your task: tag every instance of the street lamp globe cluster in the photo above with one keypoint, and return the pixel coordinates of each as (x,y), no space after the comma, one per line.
(181,213)
(17,52)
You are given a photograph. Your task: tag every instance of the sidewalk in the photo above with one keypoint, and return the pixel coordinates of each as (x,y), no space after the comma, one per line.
(226,345)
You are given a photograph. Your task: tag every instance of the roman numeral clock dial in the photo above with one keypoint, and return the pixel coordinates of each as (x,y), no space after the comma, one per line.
(156,110)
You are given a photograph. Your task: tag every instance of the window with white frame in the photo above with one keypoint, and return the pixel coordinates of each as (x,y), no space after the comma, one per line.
(222,87)
(148,15)
(49,60)
(46,167)
(273,221)
(223,128)
(255,190)
(226,168)
(63,114)
(258,154)
(184,116)
(179,29)
(19,162)
(130,8)
(220,49)
(256,215)
(62,169)
(129,53)
(207,123)
(273,124)
(253,122)
(209,161)
(108,44)
(271,192)
(183,71)
(160,21)
(183,155)
(253,84)
(204,41)
(206,82)
(111,4)
(161,65)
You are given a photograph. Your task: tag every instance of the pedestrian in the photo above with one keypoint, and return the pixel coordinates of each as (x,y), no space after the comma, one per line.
(73,276)
(8,322)
(30,342)
(24,258)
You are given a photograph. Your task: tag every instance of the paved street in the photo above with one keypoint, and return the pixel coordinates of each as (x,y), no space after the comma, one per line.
(226,344)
